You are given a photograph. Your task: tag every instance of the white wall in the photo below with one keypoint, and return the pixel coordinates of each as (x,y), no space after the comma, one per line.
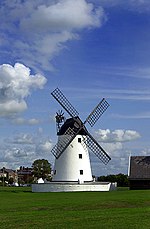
(58,187)
(68,165)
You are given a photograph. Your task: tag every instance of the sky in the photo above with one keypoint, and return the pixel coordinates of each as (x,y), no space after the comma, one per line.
(90,49)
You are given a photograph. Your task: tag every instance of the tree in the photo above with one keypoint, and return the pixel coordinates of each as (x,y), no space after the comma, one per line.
(122,180)
(41,169)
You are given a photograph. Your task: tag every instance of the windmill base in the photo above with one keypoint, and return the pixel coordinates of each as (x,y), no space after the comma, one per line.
(74,187)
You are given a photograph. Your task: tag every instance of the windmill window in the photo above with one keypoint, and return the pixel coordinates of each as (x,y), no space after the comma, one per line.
(80,155)
(81,172)
(79,140)
(54,172)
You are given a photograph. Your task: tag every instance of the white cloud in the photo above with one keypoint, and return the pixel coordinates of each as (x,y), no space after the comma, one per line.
(19,153)
(44,147)
(21,139)
(113,148)
(63,15)
(115,144)
(145,152)
(15,157)
(135,91)
(137,95)
(134,5)
(116,135)
(23,149)
(22,121)
(128,72)
(8,108)
(142,115)
(109,93)
(16,83)
(42,28)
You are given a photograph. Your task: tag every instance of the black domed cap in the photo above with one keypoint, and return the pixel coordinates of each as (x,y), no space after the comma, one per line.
(74,124)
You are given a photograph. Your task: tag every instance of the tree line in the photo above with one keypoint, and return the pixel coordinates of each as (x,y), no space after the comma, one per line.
(121,179)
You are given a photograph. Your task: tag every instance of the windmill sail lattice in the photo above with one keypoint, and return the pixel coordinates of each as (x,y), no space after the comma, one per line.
(59,148)
(97,149)
(97,112)
(64,102)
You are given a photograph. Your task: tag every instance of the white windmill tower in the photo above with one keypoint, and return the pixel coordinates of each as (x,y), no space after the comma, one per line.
(72,163)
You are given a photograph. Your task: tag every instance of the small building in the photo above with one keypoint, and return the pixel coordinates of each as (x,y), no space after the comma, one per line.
(139,172)
(8,174)
(25,175)
(11,174)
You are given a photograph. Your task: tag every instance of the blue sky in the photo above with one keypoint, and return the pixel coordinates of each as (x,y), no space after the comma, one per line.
(90,50)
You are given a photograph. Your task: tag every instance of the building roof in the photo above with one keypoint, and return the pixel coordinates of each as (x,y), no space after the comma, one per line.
(24,171)
(71,123)
(139,167)
(4,170)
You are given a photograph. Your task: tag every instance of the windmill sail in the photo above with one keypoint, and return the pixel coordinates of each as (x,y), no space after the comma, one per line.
(97,112)
(96,148)
(64,102)
(63,143)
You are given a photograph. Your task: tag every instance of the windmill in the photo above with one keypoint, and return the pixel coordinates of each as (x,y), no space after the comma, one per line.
(72,162)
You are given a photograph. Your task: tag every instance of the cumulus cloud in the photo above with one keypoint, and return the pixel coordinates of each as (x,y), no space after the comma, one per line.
(16,83)
(15,157)
(45,146)
(119,135)
(43,27)
(115,143)
(113,148)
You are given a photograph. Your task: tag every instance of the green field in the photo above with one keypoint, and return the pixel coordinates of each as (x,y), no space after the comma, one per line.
(20,208)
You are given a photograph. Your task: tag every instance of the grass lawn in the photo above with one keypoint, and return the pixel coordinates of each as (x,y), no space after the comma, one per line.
(20,208)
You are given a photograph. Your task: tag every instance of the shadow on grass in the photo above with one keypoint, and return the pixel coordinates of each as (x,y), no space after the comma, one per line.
(15,189)
(123,188)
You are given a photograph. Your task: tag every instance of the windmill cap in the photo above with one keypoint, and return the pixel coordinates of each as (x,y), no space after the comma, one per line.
(74,123)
